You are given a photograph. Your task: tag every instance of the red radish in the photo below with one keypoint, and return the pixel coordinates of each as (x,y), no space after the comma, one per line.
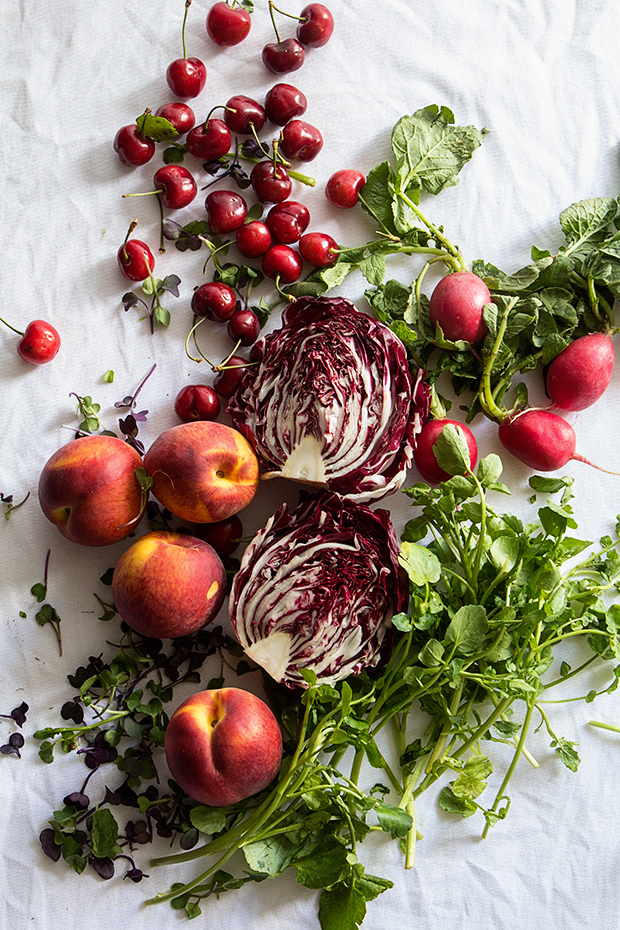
(579,375)
(456,305)
(542,440)
(424,455)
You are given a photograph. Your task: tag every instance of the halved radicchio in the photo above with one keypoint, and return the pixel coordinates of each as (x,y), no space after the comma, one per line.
(330,401)
(317,588)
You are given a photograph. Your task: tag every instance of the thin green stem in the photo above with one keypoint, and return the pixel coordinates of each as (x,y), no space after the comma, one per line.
(455,259)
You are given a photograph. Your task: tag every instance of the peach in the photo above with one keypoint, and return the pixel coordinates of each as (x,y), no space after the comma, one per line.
(89,490)
(168,585)
(223,745)
(202,471)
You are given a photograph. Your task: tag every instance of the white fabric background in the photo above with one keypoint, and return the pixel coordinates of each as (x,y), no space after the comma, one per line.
(543,76)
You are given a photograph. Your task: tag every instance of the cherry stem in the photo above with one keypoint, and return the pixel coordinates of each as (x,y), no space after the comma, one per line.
(162,247)
(18,331)
(272,7)
(132,226)
(191,333)
(300,19)
(188,3)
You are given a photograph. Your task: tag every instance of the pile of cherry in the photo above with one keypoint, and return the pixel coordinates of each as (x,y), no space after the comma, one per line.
(280,238)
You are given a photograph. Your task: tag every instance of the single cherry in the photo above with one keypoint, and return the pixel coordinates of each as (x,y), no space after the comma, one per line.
(175,185)
(39,342)
(229,378)
(283,57)
(243,115)
(210,140)
(134,257)
(226,25)
(343,187)
(253,239)
(300,140)
(132,148)
(284,102)
(224,535)
(244,327)
(288,220)
(226,211)
(282,263)
(316,25)
(214,300)
(197,402)
(319,249)
(179,114)
(271,183)
(186,77)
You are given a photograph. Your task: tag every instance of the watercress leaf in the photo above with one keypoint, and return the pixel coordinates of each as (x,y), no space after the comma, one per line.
(452,804)
(341,908)
(504,552)
(567,753)
(323,863)
(402,622)
(394,819)
(547,485)
(490,469)
(467,628)
(373,268)
(555,520)
(377,195)
(103,833)
(371,886)
(271,856)
(586,219)
(451,451)
(421,565)
(432,653)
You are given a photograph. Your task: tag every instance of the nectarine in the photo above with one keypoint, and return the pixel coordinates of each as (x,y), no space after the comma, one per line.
(202,471)
(88,488)
(223,745)
(168,585)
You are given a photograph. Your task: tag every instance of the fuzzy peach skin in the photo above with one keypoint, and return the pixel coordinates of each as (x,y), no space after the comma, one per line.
(202,471)
(89,490)
(223,745)
(168,585)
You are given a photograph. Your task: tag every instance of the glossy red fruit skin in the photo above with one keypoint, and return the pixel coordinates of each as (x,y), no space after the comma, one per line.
(186,77)
(215,301)
(318,249)
(227,27)
(253,239)
(135,260)
(284,102)
(39,344)
(283,57)
(283,262)
(179,114)
(244,327)
(343,187)
(228,379)
(132,148)
(288,221)
(316,25)
(177,185)
(457,305)
(224,535)
(244,113)
(226,211)
(580,374)
(209,141)
(300,140)
(197,402)
(271,184)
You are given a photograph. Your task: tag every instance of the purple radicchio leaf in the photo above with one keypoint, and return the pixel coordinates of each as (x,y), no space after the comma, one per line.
(317,588)
(331,401)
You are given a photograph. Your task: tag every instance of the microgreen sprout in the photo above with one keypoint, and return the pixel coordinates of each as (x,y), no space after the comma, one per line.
(10,506)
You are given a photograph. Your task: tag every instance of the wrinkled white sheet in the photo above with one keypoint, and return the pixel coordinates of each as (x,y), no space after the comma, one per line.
(543,77)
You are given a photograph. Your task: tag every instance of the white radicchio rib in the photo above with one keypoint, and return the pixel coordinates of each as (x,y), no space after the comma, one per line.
(317,588)
(331,402)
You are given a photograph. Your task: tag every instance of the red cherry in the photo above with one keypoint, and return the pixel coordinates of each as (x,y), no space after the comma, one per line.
(284,102)
(253,239)
(227,26)
(283,57)
(39,343)
(215,300)
(179,114)
(244,114)
(176,185)
(209,141)
(132,148)
(229,378)
(226,211)
(343,187)
(319,249)
(271,184)
(244,327)
(224,535)
(316,25)
(197,402)
(186,77)
(300,140)
(288,220)
(282,263)
(135,260)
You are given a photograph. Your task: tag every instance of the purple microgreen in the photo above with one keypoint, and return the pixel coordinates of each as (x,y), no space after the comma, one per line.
(7,500)
(15,743)
(18,714)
